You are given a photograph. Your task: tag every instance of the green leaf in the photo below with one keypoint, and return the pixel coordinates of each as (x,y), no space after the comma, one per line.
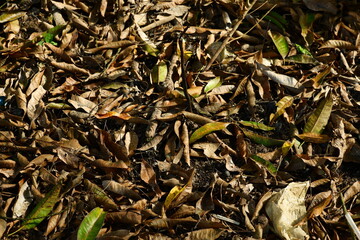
(50,34)
(256,125)
(284,103)
(320,117)
(266,164)
(206,129)
(100,195)
(91,225)
(302,50)
(159,72)
(276,19)
(266,141)
(280,43)
(213,83)
(42,209)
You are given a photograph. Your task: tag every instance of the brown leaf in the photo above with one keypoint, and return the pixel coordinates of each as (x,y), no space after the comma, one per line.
(130,217)
(148,175)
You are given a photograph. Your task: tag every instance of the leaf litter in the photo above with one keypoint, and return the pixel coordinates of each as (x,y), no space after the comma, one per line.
(179,119)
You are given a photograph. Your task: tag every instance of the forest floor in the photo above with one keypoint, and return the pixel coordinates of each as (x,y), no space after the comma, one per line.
(123,119)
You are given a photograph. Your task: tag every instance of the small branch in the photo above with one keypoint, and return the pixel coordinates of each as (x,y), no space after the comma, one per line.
(158,23)
(223,45)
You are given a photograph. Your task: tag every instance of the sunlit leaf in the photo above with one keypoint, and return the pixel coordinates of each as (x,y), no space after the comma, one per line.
(284,103)
(319,118)
(91,224)
(256,125)
(285,148)
(266,164)
(42,209)
(280,42)
(213,83)
(174,192)
(55,105)
(301,58)
(206,129)
(342,44)
(266,141)
(319,78)
(277,77)
(314,137)
(159,72)
(11,16)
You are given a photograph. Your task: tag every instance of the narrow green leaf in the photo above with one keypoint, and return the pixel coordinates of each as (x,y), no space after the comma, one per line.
(278,17)
(320,117)
(302,50)
(42,209)
(100,195)
(11,16)
(266,141)
(266,164)
(213,83)
(280,43)
(91,225)
(275,21)
(50,34)
(284,103)
(256,125)
(206,129)
(159,72)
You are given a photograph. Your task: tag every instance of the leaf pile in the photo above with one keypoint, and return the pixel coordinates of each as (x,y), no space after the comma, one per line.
(177,119)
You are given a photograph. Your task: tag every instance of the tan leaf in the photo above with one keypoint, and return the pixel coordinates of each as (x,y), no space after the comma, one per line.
(185,140)
(34,104)
(353,190)
(209,234)
(69,67)
(121,189)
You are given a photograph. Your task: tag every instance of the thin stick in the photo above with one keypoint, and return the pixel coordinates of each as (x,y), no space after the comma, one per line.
(158,23)
(212,60)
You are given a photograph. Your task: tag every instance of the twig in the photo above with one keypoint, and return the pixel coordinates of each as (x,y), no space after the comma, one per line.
(212,60)
(158,23)
(183,74)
